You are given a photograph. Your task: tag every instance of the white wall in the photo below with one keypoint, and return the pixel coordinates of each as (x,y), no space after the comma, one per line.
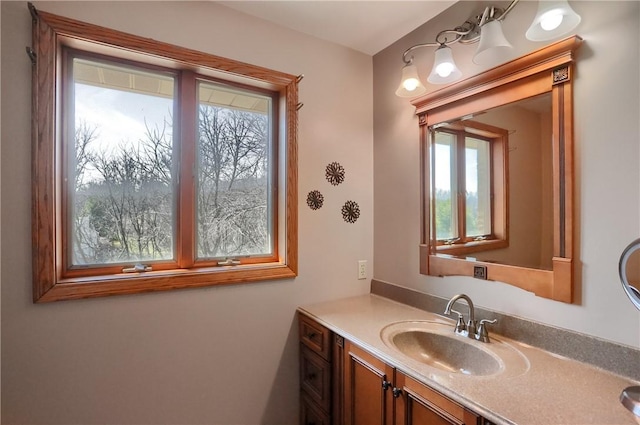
(225,355)
(607,116)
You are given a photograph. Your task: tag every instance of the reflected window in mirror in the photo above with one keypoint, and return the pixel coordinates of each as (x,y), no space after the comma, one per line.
(469,187)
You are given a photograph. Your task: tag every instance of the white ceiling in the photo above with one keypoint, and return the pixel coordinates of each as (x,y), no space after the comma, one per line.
(366,26)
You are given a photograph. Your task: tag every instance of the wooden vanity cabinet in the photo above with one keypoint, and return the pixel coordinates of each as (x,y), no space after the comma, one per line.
(320,373)
(378,394)
(343,384)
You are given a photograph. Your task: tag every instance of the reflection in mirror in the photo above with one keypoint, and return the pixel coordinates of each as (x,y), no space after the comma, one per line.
(469,186)
(522,232)
(512,208)
(629,269)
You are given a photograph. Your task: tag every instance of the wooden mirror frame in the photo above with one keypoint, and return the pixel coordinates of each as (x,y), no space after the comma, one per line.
(548,70)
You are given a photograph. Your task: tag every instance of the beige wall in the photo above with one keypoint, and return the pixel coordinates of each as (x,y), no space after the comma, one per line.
(607,112)
(224,355)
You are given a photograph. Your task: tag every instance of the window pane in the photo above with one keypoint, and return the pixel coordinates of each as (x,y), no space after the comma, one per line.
(120,167)
(233,211)
(478,187)
(445,184)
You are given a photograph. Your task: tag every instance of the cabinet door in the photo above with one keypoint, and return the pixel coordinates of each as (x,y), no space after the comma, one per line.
(420,405)
(368,398)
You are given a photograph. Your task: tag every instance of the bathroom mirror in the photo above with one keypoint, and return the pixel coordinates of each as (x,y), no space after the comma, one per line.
(629,269)
(527,98)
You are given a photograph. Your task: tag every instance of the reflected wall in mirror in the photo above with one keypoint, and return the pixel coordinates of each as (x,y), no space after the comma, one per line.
(497,174)
(502,176)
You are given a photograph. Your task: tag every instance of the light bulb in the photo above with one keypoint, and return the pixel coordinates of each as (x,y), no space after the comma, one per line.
(444,69)
(410,84)
(551,20)
(554,19)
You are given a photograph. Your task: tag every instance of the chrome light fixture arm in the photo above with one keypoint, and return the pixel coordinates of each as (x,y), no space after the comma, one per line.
(467,33)
(460,32)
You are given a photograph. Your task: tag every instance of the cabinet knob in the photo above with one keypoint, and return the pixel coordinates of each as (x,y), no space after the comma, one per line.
(311,376)
(311,335)
(397,392)
(386,385)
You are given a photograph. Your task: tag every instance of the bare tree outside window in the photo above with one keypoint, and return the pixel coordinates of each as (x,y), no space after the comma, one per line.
(124,209)
(124,198)
(233,180)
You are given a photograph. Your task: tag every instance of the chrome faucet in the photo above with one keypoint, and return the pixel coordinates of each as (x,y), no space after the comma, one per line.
(471,328)
(468,329)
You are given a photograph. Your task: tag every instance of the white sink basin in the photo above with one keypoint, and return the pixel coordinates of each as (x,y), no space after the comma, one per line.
(436,345)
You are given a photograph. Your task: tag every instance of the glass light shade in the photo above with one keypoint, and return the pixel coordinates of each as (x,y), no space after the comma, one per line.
(493,47)
(410,84)
(444,68)
(554,19)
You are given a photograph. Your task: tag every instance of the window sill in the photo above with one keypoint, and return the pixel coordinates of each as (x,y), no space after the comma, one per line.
(474,246)
(127,283)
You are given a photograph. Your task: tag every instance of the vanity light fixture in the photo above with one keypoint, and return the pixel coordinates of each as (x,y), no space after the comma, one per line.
(554,18)
(410,84)
(494,46)
(444,68)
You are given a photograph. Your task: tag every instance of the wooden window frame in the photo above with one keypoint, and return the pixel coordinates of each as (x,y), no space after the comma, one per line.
(498,139)
(53,34)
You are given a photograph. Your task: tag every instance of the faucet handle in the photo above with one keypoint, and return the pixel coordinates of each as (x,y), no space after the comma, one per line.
(460,325)
(483,335)
(472,328)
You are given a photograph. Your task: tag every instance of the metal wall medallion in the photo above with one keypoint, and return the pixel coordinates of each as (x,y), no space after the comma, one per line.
(334,173)
(315,200)
(350,212)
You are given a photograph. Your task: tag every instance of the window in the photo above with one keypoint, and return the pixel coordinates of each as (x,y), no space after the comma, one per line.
(469,187)
(157,167)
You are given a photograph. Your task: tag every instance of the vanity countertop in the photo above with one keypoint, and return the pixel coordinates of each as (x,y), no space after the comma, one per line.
(552,390)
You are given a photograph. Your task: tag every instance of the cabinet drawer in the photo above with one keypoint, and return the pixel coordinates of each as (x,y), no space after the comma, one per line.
(310,414)
(315,336)
(315,377)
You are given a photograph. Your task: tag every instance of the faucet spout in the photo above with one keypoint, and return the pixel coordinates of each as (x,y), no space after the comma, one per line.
(452,301)
(470,329)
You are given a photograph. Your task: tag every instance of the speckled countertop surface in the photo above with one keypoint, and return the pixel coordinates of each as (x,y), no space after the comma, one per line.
(551,390)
